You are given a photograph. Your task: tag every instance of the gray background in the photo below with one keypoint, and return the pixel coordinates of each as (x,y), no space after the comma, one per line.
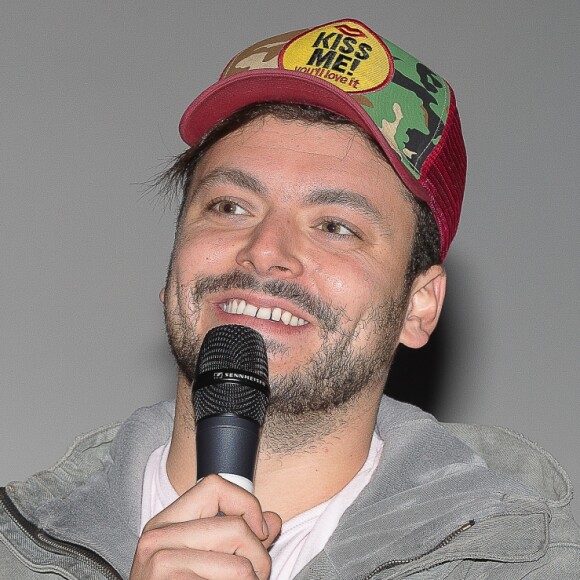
(90,97)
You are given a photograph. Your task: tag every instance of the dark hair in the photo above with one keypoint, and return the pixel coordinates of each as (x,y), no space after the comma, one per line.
(176,180)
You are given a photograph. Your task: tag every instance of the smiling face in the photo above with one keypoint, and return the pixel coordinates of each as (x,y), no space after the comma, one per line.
(302,232)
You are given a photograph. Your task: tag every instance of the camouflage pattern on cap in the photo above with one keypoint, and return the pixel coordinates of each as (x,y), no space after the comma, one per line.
(347,68)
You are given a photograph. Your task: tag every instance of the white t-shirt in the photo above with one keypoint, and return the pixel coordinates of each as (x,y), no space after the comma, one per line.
(158,492)
(301,538)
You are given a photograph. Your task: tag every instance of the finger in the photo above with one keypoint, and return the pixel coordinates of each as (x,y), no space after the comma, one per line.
(225,535)
(196,565)
(211,495)
(274,524)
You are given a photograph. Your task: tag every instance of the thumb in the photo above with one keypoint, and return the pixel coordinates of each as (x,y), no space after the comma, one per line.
(274,523)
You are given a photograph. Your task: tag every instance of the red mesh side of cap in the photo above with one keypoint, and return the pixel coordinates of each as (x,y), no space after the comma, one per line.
(444,174)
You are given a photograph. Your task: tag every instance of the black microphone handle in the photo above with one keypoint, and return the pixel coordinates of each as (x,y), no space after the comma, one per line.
(228,445)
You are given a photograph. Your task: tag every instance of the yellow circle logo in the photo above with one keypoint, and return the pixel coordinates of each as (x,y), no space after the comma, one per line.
(345,53)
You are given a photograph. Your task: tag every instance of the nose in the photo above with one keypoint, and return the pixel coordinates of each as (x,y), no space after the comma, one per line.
(272,249)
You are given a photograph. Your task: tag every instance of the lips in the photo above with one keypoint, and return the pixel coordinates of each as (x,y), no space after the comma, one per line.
(235,306)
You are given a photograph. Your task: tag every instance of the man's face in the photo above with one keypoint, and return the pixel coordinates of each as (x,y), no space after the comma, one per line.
(301,232)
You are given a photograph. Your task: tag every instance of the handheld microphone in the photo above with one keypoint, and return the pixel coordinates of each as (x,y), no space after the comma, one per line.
(230,397)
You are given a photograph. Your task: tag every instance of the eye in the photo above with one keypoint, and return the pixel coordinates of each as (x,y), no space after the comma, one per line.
(227,207)
(336,228)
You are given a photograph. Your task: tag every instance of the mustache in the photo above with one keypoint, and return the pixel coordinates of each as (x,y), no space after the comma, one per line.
(327,316)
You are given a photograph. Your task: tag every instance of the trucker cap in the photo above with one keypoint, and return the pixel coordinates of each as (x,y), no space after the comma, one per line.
(347,69)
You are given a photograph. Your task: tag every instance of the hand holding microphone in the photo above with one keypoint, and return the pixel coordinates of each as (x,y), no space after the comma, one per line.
(188,539)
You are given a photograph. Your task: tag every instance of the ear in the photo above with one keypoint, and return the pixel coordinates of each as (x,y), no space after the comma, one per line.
(424,308)
(162,295)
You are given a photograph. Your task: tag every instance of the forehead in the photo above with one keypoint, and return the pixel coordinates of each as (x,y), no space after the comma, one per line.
(305,151)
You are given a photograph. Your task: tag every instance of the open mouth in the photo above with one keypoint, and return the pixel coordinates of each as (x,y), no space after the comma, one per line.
(235,306)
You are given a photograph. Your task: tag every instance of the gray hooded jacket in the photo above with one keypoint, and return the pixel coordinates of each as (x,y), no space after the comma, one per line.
(446,501)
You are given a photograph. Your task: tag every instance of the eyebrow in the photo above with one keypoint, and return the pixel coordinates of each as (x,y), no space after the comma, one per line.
(229,175)
(322,196)
(346,198)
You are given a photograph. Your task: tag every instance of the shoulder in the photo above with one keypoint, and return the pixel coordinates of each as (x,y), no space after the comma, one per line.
(104,448)
(516,456)
(21,502)
(86,455)
(100,476)
(513,455)
(524,475)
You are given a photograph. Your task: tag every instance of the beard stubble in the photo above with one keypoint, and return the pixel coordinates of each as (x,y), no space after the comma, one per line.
(309,402)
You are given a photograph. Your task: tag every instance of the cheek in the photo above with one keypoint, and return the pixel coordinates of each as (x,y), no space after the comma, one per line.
(357,286)
(198,253)
(337,284)
(328,280)
(346,284)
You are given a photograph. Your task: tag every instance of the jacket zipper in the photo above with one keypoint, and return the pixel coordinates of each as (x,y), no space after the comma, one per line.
(444,542)
(47,542)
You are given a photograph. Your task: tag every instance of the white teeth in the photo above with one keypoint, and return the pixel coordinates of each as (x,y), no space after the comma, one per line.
(264,313)
(250,310)
(235,306)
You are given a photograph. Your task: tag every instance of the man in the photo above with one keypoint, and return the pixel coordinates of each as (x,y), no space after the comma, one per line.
(321,193)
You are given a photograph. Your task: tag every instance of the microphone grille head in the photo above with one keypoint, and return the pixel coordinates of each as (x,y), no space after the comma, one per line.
(232,374)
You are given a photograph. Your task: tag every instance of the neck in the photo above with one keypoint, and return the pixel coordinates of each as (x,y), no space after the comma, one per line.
(303,461)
